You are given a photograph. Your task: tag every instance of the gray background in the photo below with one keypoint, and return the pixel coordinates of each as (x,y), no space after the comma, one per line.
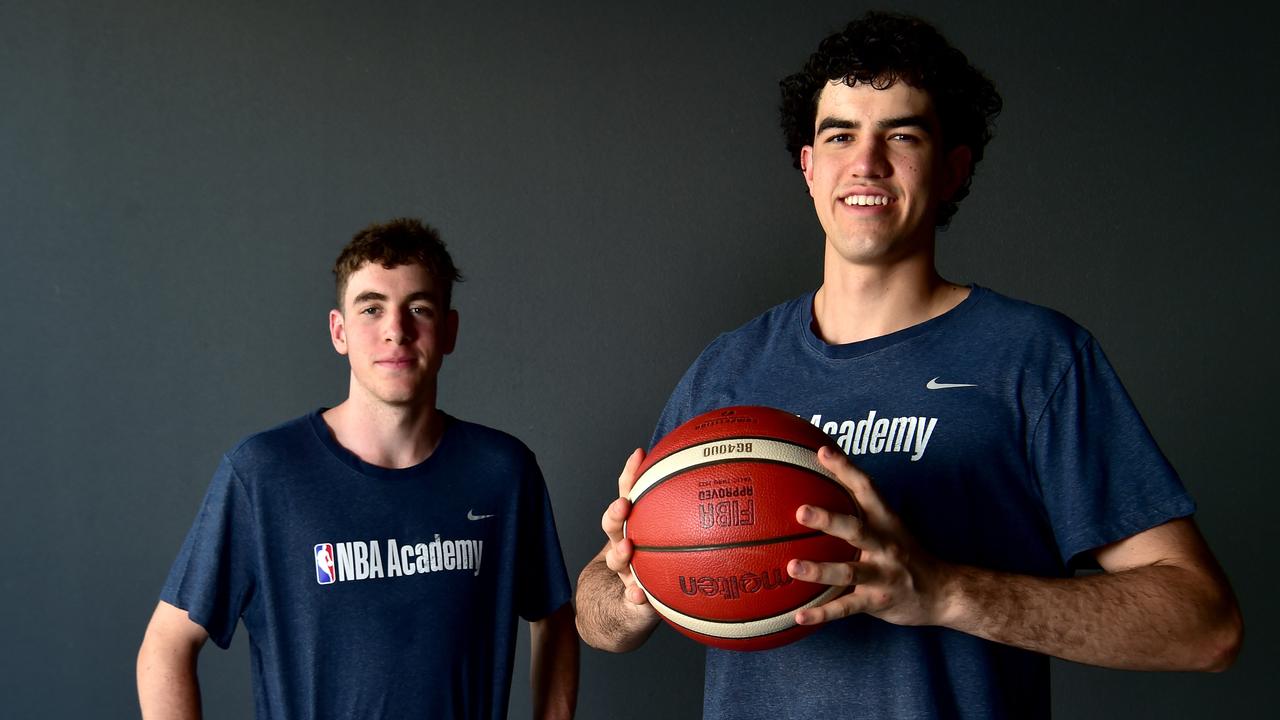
(176,178)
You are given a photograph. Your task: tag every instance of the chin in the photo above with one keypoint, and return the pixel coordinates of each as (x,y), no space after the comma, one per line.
(394,397)
(401,399)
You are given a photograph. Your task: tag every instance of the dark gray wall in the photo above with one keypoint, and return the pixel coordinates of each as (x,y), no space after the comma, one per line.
(175,179)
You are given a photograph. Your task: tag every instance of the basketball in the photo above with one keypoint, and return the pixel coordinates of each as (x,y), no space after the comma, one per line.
(713,523)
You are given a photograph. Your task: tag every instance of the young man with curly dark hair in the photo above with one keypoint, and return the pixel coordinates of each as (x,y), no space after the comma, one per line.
(1024,461)
(378,552)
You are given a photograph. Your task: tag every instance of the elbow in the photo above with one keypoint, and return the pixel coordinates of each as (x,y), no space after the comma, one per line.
(1222,645)
(1215,643)
(151,658)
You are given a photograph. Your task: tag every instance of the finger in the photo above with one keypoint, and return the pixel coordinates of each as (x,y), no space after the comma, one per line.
(635,595)
(615,516)
(842,607)
(627,479)
(619,558)
(839,574)
(858,482)
(852,530)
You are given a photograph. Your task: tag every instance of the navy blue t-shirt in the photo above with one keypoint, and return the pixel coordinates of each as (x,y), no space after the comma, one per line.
(368,591)
(1000,435)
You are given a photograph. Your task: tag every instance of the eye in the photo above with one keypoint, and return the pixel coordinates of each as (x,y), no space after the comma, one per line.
(839,138)
(423,311)
(904,138)
(371,310)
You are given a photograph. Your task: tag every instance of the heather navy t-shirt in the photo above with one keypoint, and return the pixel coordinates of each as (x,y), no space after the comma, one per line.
(367,591)
(1003,439)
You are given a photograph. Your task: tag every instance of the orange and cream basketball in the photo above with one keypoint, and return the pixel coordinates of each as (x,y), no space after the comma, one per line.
(713,526)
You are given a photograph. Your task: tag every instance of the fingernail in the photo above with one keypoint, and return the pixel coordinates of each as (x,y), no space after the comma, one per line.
(806,513)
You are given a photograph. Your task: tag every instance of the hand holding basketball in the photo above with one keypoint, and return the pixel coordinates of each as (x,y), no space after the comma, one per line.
(712,525)
(895,579)
(618,555)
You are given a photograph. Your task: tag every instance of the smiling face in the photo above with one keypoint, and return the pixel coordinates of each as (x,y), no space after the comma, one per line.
(395,329)
(877,171)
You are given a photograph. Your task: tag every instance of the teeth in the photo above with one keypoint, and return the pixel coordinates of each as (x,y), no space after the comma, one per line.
(867,200)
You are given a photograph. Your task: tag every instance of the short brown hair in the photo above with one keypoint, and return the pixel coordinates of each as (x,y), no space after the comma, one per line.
(402,241)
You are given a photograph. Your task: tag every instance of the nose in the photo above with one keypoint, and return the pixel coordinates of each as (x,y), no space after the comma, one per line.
(398,328)
(871,158)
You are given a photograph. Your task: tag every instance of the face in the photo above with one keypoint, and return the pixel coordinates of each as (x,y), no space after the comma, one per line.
(395,330)
(877,171)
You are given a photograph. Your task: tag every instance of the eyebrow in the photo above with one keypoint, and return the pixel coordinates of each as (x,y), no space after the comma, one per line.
(375,296)
(367,296)
(914,121)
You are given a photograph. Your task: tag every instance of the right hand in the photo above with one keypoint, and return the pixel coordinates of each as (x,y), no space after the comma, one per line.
(617,554)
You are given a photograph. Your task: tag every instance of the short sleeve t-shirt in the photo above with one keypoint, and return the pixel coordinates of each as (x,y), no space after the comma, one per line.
(367,591)
(1001,436)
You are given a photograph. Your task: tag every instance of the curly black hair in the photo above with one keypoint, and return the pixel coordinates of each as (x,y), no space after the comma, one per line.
(880,49)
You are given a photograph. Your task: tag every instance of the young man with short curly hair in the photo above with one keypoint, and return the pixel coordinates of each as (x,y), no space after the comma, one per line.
(1026,458)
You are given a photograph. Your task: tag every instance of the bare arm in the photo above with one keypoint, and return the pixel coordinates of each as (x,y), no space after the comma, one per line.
(1162,604)
(613,613)
(553,665)
(167,684)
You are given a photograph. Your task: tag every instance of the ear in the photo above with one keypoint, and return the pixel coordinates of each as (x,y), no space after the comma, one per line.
(338,331)
(450,331)
(806,166)
(956,167)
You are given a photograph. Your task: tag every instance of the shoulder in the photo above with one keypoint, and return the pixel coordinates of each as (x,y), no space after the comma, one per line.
(283,443)
(1002,320)
(740,358)
(771,327)
(487,444)
(1027,315)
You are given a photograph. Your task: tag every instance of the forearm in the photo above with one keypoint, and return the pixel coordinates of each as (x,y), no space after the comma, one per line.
(553,672)
(606,619)
(1156,617)
(167,685)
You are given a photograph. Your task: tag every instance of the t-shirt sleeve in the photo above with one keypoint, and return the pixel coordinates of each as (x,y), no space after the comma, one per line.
(544,583)
(1101,475)
(212,579)
(676,409)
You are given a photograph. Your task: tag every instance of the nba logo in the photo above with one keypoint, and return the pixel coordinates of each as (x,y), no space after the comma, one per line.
(324,564)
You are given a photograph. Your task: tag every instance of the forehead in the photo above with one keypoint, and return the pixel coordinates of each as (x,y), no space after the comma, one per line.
(862,101)
(395,283)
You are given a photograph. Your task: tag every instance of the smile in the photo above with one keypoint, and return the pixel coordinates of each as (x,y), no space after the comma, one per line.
(867,200)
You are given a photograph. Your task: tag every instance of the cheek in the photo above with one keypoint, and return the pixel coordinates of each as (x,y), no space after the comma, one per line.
(361,337)
(824,181)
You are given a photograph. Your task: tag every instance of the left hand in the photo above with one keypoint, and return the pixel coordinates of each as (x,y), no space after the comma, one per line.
(894,579)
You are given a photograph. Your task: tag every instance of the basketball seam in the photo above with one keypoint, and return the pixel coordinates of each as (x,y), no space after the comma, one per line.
(743,458)
(737,630)
(742,543)
(711,463)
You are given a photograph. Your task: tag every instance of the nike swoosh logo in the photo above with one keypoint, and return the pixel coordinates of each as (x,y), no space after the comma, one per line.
(935,385)
(473,516)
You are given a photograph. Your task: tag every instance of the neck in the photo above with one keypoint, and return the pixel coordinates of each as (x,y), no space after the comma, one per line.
(390,436)
(859,302)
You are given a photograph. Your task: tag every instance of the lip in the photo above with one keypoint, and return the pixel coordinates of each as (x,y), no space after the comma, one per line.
(397,363)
